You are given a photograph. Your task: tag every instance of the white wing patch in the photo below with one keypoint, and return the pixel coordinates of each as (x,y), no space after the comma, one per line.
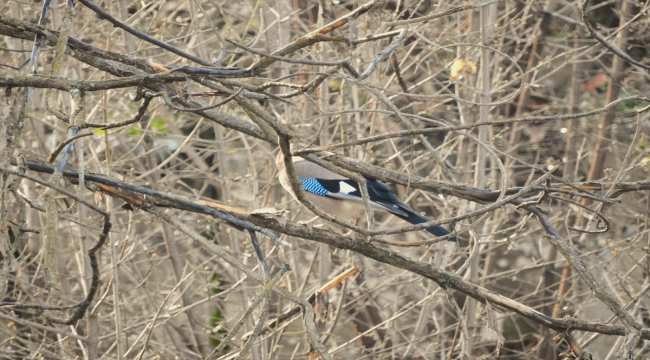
(346,188)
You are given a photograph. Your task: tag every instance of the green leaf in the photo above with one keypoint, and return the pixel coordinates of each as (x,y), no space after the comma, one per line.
(208,234)
(335,85)
(160,125)
(629,105)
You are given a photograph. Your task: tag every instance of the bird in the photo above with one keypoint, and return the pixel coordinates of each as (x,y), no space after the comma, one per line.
(340,196)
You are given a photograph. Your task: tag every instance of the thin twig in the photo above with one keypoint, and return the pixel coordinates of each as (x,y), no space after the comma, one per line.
(139,34)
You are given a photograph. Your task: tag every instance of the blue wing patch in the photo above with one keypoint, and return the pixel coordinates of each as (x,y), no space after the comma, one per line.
(313,186)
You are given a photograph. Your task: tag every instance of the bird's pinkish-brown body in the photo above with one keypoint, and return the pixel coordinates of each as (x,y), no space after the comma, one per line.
(346,210)
(341,197)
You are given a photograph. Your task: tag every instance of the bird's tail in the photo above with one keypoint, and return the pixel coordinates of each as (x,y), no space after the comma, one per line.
(415,218)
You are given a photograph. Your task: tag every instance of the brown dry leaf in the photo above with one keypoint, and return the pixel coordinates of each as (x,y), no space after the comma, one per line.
(595,82)
(460,68)
(158,67)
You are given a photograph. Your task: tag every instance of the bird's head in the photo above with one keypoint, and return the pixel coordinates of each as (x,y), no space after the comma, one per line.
(279,160)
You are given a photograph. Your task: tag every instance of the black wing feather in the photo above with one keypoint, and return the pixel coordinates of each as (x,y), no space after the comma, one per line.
(381,194)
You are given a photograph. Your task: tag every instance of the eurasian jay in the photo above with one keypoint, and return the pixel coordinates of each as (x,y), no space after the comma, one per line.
(339,196)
